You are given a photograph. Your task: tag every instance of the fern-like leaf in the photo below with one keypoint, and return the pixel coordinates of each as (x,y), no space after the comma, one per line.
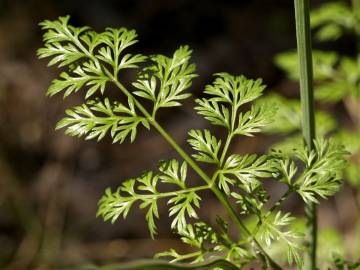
(323,173)
(206,145)
(166,80)
(86,55)
(215,113)
(244,171)
(273,228)
(173,173)
(183,205)
(255,120)
(208,242)
(96,118)
(144,189)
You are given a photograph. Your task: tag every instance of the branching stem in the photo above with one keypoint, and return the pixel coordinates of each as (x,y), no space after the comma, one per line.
(218,193)
(161,265)
(221,197)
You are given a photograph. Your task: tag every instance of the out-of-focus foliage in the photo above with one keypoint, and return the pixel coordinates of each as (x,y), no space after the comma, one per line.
(334,19)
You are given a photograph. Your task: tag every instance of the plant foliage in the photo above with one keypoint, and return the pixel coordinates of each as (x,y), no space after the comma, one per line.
(91,61)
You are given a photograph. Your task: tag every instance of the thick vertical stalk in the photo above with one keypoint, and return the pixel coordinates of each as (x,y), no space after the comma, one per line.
(303,37)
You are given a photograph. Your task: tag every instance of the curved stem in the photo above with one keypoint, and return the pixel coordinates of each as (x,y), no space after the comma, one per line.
(215,175)
(218,193)
(303,37)
(187,256)
(161,265)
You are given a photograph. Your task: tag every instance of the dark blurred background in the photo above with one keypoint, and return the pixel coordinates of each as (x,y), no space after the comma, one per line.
(50,183)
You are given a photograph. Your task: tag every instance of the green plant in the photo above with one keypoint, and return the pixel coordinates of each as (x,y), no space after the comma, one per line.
(337,78)
(91,61)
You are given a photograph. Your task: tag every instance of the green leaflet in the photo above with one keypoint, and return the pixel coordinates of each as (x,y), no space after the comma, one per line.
(208,242)
(255,120)
(144,189)
(227,94)
(245,171)
(273,228)
(206,145)
(89,75)
(96,118)
(323,173)
(173,173)
(165,80)
(323,169)
(90,59)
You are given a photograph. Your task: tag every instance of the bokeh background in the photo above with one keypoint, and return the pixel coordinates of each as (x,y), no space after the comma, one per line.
(50,183)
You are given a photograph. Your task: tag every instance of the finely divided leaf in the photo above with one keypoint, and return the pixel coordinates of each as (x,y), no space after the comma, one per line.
(166,80)
(86,55)
(89,75)
(243,171)
(322,176)
(112,205)
(206,145)
(183,206)
(236,90)
(96,118)
(208,242)
(215,113)
(173,173)
(227,94)
(273,228)
(255,120)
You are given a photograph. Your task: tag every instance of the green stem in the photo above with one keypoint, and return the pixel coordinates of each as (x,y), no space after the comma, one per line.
(218,193)
(187,256)
(226,147)
(231,131)
(161,265)
(303,36)
(281,200)
(272,209)
(170,193)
